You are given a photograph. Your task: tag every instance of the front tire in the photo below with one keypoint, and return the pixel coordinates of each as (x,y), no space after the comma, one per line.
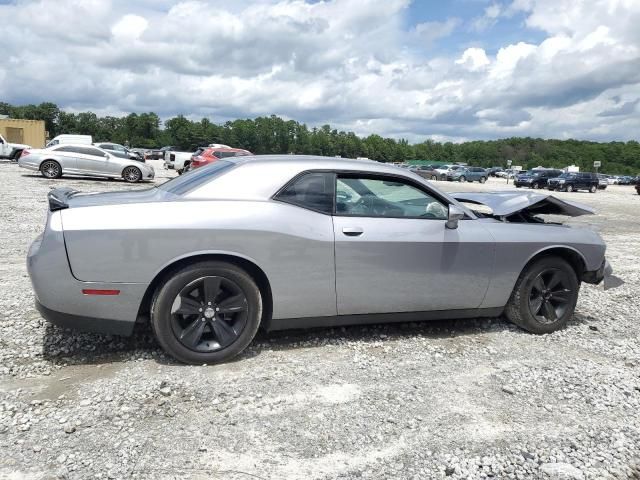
(593,189)
(544,297)
(536,186)
(51,169)
(462,179)
(132,174)
(483,179)
(569,188)
(207,312)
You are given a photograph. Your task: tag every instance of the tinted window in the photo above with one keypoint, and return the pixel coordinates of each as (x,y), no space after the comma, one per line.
(312,190)
(91,151)
(69,149)
(219,154)
(194,178)
(385,197)
(107,147)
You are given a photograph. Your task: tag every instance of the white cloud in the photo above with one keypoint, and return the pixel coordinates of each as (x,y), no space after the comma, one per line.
(353,63)
(473,59)
(129,27)
(489,17)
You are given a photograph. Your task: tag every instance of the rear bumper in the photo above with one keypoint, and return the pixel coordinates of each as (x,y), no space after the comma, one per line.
(86,324)
(603,274)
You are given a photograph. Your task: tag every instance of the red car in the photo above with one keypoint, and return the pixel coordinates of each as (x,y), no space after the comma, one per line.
(212,154)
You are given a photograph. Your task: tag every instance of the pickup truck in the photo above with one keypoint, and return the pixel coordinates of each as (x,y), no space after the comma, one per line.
(176,160)
(11,150)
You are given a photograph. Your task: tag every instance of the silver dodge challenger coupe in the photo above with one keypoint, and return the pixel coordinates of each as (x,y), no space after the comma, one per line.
(290,241)
(89,160)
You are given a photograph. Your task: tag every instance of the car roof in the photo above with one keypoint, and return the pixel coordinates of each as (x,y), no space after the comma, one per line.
(225,149)
(83,145)
(313,162)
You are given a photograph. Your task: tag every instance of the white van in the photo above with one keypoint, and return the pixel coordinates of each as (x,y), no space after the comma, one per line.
(77,139)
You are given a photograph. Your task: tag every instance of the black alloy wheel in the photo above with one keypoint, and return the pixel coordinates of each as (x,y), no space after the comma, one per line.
(209,314)
(544,296)
(550,295)
(206,312)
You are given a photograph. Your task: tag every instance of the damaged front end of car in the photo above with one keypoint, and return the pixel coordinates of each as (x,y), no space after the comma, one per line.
(519,207)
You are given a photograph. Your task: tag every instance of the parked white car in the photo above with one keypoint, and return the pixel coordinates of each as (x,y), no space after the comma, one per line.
(70,138)
(11,150)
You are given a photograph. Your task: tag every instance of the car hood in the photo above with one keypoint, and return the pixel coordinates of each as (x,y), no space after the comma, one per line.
(508,203)
(60,198)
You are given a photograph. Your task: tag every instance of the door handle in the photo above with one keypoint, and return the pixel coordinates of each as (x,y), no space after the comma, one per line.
(352,231)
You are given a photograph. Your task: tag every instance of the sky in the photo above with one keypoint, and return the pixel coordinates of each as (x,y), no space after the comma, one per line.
(448,70)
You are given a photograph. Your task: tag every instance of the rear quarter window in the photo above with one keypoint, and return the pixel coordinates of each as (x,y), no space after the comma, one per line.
(193,179)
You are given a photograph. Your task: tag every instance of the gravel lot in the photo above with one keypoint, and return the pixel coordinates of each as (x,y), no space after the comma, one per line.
(456,399)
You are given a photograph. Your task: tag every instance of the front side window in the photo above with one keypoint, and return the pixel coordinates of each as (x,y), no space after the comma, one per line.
(313,190)
(385,197)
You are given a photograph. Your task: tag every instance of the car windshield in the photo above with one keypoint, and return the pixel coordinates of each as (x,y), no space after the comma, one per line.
(194,178)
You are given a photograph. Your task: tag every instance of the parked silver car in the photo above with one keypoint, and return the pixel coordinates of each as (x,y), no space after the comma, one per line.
(288,241)
(76,159)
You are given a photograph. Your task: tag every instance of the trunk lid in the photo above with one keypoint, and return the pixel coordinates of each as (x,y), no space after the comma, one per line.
(65,197)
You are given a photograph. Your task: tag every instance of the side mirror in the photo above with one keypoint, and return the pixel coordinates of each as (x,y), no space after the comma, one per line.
(454,216)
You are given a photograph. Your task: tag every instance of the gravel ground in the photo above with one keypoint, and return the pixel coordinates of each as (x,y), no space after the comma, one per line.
(456,399)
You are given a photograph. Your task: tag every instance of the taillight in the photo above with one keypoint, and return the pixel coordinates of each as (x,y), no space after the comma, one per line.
(25,153)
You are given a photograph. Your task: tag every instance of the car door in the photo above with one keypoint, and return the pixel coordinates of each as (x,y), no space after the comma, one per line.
(93,161)
(68,157)
(393,252)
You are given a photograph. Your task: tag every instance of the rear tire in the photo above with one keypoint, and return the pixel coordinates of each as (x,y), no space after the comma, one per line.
(17,155)
(482,179)
(131,174)
(50,169)
(434,177)
(544,297)
(462,179)
(569,188)
(536,186)
(593,189)
(188,318)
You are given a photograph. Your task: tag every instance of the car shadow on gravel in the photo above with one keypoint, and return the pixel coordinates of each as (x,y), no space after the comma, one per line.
(62,346)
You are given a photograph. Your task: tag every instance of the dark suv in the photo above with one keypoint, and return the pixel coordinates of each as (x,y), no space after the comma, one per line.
(535,178)
(572,181)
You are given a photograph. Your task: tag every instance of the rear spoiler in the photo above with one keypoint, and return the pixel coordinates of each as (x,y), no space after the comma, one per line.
(59,197)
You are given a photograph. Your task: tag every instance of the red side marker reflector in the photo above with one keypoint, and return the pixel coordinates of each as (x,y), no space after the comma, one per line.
(91,291)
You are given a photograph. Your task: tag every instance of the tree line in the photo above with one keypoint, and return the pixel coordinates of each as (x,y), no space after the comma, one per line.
(263,135)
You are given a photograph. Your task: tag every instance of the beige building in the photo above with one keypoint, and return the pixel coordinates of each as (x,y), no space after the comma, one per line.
(27,132)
